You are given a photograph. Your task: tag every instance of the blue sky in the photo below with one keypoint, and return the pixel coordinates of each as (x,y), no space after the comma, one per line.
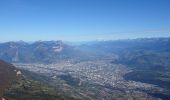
(83,20)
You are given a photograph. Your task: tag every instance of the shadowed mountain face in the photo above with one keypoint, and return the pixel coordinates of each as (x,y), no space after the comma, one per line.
(7,75)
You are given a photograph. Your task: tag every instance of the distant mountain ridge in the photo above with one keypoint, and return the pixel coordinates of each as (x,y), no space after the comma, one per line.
(145,53)
(40,51)
(54,51)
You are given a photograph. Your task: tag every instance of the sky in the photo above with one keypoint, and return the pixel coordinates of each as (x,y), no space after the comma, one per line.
(83,20)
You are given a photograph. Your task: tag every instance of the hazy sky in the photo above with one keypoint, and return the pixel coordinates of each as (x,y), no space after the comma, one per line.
(76,20)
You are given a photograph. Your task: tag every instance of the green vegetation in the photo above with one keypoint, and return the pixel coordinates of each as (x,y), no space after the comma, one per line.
(28,89)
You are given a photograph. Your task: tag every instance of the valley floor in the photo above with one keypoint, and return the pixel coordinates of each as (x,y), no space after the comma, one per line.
(99,80)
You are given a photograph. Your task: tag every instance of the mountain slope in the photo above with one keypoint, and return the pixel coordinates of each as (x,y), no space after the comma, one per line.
(7,75)
(15,85)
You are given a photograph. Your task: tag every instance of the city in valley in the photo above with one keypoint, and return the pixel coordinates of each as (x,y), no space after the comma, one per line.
(75,75)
